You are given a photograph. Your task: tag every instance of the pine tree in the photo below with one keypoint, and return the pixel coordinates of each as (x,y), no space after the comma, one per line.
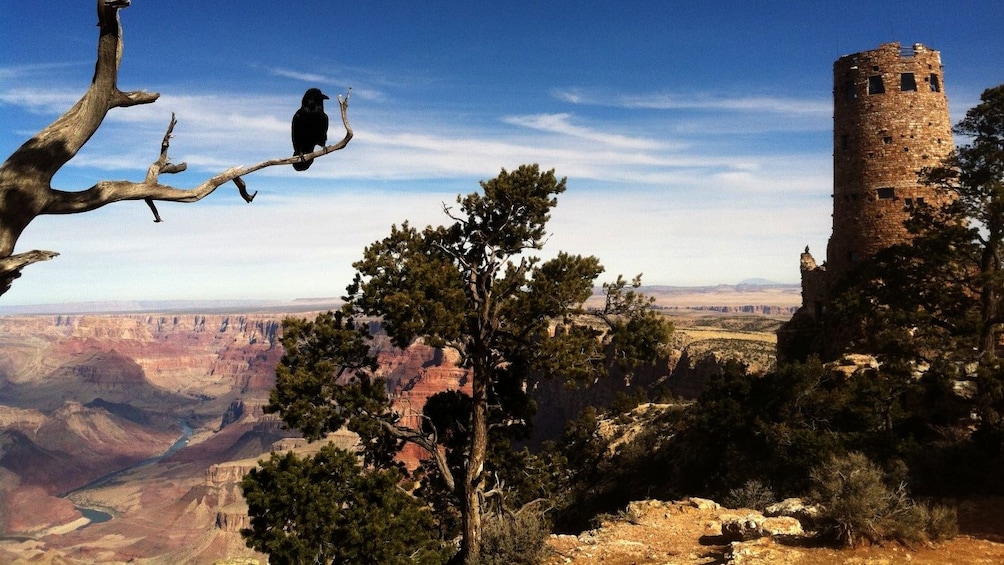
(513,318)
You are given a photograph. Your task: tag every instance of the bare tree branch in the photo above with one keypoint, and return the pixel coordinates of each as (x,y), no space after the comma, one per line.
(426,443)
(25,177)
(10,267)
(106,192)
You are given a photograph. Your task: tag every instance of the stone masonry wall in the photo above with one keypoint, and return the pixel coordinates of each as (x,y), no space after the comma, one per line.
(890,119)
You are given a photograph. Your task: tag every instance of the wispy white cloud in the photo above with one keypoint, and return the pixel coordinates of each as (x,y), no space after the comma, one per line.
(298,75)
(216,131)
(562,124)
(15,72)
(670,101)
(40,100)
(360,83)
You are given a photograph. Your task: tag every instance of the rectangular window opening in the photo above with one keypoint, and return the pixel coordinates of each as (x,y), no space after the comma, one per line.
(907,82)
(935,83)
(875,85)
(885,193)
(849,92)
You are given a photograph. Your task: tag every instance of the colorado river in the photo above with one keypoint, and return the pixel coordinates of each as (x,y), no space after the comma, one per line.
(97,515)
(94,515)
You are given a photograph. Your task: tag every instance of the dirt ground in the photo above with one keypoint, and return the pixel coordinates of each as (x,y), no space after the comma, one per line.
(678,533)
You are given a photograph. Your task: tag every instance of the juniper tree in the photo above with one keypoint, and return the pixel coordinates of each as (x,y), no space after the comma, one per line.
(473,286)
(974,176)
(321,509)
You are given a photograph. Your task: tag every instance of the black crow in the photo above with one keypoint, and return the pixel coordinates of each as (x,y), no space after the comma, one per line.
(310,126)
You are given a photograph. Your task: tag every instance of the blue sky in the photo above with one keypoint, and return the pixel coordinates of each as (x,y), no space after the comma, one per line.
(696,136)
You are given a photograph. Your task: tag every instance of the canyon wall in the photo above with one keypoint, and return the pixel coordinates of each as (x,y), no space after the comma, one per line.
(96,401)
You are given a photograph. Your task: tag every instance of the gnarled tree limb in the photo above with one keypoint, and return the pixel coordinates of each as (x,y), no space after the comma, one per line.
(25,177)
(425,442)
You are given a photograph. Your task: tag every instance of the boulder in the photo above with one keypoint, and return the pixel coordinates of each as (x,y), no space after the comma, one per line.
(796,508)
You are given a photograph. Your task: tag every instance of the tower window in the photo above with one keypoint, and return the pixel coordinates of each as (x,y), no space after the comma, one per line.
(885,193)
(875,85)
(887,139)
(935,83)
(849,92)
(907,82)
(843,141)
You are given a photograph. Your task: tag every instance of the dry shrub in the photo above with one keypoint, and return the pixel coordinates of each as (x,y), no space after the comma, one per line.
(753,495)
(859,506)
(514,539)
(942,523)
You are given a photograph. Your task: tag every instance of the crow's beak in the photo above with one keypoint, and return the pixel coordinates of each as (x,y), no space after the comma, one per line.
(325,96)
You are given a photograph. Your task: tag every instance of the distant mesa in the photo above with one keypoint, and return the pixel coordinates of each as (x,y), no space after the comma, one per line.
(759,282)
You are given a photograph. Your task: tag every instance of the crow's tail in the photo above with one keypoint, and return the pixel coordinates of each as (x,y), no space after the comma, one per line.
(303,165)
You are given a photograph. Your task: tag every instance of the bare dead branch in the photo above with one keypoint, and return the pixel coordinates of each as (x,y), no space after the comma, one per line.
(107,192)
(26,175)
(243,188)
(10,267)
(426,443)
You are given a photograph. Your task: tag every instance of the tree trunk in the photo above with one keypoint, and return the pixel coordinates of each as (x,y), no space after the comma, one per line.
(470,548)
(989,299)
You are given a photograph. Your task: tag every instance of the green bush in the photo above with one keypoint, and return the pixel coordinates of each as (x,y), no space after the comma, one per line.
(325,508)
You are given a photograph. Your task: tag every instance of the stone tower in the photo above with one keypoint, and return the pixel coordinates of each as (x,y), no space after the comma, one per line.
(890,119)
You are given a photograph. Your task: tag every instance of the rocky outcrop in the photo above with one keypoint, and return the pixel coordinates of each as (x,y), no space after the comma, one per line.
(691,375)
(806,514)
(416,373)
(233,413)
(224,474)
(232,521)
(754,525)
(690,532)
(20,418)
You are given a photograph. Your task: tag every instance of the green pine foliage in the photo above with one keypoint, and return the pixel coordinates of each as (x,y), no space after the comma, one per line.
(474,286)
(325,509)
